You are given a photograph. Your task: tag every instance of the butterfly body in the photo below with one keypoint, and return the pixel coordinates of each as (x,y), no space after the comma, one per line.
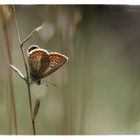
(43,63)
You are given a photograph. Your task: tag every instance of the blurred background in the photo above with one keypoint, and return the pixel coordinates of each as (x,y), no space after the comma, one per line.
(98,90)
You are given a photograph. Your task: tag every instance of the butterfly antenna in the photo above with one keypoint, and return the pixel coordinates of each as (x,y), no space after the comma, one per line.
(45,84)
(51,83)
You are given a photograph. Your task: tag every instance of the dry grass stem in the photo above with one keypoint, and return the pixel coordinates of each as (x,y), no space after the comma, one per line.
(26,68)
(32,33)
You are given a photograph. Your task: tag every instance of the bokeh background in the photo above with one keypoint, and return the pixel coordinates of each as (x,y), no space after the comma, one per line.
(98,89)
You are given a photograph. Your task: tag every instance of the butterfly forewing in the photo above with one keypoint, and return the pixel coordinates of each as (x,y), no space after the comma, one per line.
(56,61)
(38,61)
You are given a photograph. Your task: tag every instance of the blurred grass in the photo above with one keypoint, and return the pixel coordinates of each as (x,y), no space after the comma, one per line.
(98,89)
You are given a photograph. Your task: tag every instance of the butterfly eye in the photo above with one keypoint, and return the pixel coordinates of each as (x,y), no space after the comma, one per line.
(38,82)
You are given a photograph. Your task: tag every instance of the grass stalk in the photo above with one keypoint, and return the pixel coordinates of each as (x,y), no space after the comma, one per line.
(26,68)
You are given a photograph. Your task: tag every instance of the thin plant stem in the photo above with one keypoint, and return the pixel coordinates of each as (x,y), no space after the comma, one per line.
(26,68)
(33,122)
(6,33)
(32,33)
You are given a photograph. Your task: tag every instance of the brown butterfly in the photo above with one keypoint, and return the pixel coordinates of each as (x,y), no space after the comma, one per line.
(43,63)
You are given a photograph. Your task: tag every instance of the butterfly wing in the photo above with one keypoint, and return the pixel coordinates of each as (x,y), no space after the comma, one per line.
(39,61)
(56,61)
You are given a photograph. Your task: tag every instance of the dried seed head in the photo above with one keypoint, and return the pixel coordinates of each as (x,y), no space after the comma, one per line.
(18,72)
(36,109)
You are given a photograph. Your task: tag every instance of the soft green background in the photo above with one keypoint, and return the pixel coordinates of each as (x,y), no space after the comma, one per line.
(98,89)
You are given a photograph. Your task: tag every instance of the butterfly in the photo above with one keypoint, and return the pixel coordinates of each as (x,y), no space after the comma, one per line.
(43,63)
